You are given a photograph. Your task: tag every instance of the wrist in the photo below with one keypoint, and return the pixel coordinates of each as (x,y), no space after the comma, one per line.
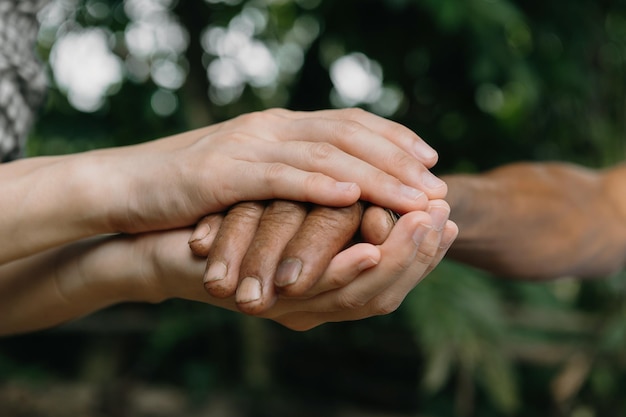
(119,268)
(106,188)
(457,197)
(96,186)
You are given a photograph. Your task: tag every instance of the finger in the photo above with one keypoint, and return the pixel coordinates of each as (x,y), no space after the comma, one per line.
(376,185)
(343,140)
(267,181)
(398,254)
(204,234)
(323,234)
(439,211)
(359,141)
(450,232)
(426,258)
(377,224)
(428,255)
(306,314)
(280,221)
(345,267)
(230,246)
(402,136)
(381,289)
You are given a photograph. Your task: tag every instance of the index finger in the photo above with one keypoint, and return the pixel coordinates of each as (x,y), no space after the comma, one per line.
(381,143)
(400,135)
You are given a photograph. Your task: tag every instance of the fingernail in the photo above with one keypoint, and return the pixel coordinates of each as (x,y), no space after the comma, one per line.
(366,264)
(345,186)
(420,233)
(217,271)
(410,193)
(431,181)
(202,231)
(249,290)
(288,272)
(445,244)
(439,214)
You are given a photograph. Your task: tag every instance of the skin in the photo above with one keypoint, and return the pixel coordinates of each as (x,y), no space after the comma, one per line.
(77,279)
(84,231)
(277,238)
(541,221)
(259,252)
(532,221)
(170,183)
(577,227)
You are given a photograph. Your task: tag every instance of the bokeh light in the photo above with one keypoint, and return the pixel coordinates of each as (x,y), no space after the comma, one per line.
(85,68)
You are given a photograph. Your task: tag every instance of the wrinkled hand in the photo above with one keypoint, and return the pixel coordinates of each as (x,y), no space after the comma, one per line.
(345,291)
(260,250)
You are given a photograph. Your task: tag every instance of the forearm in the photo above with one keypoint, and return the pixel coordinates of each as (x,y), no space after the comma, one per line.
(51,201)
(315,157)
(540,221)
(66,283)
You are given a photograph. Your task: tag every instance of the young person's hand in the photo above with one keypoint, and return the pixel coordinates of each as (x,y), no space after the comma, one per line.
(332,158)
(329,157)
(77,279)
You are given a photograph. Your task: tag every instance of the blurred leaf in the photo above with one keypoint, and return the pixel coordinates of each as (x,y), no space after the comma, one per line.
(458,321)
(498,378)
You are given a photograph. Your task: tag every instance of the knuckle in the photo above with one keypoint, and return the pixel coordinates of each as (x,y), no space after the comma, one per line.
(402,162)
(245,210)
(312,181)
(283,209)
(348,129)
(276,111)
(274,173)
(252,118)
(425,255)
(350,301)
(402,132)
(331,219)
(322,151)
(355,113)
(398,266)
(381,177)
(336,281)
(428,249)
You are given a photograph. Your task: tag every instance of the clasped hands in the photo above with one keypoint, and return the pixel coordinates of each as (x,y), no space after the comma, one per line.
(304,264)
(301,266)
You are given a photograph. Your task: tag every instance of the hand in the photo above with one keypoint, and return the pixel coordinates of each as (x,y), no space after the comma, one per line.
(82,277)
(260,250)
(345,291)
(315,156)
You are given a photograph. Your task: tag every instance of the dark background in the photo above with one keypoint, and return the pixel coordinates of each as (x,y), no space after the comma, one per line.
(485,82)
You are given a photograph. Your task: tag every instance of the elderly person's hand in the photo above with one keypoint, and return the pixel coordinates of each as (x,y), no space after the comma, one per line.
(259,251)
(361,281)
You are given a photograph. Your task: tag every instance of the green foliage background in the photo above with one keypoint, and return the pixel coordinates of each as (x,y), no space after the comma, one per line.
(485,82)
